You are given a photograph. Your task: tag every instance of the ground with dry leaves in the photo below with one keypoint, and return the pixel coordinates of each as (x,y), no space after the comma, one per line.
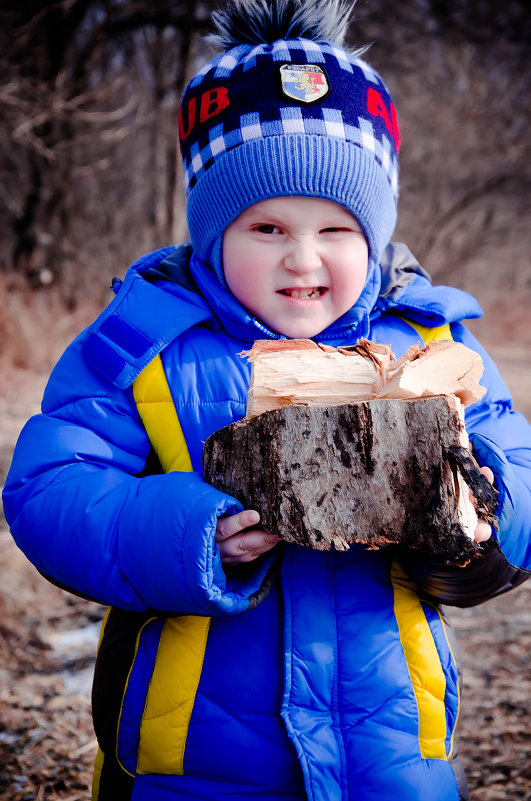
(47,643)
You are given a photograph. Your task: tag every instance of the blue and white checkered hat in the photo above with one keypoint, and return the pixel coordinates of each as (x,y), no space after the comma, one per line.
(292,118)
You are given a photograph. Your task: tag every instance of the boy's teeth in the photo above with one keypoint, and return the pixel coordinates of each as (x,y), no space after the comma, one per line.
(304,293)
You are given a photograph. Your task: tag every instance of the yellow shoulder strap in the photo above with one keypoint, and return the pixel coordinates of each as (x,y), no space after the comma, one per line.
(181,651)
(429,334)
(157,410)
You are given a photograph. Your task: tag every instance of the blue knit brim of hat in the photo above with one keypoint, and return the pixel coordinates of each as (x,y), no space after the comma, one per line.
(292,165)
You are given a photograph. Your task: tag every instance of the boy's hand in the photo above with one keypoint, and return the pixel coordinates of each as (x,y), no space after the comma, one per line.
(484,530)
(238,541)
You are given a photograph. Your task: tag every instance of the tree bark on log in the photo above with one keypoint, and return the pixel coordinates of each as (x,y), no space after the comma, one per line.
(376,472)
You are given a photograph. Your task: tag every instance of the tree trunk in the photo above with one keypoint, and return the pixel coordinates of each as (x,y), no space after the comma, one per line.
(375,472)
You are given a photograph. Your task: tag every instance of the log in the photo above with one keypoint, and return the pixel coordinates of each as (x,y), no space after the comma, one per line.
(343,445)
(376,472)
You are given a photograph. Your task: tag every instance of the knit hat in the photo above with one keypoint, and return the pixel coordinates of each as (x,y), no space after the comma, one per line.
(290,116)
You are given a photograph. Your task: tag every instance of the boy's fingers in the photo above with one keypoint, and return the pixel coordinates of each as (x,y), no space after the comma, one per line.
(487,472)
(232,524)
(483,531)
(248,546)
(256,541)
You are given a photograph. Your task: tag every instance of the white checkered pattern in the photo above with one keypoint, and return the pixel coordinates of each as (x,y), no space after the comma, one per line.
(314,51)
(250,127)
(226,65)
(367,135)
(217,145)
(367,70)
(344,59)
(292,122)
(334,123)
(280,51)
(250,59)
(283,50)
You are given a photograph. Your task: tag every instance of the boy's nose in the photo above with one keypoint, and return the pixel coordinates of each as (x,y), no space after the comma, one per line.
(302,255)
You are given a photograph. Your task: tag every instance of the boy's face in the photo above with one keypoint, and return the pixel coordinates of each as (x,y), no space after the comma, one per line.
(296,263)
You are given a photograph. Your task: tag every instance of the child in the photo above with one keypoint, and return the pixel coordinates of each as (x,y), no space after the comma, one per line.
(231,667)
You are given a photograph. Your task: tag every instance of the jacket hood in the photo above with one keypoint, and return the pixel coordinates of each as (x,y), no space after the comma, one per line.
(407,289)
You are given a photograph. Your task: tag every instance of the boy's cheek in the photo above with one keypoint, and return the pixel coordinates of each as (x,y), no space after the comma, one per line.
(238,261)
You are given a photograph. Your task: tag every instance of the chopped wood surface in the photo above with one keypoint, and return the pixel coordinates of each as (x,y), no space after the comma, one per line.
(302,373)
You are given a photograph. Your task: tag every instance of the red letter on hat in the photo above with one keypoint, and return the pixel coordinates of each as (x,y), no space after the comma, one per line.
(376,107)
(191,119)
(396,129)
(213,102)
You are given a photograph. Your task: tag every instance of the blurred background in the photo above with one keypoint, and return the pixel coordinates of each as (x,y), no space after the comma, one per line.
(90,179)
(90,171)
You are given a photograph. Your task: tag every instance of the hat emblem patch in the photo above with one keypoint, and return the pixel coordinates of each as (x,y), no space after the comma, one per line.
(304,82)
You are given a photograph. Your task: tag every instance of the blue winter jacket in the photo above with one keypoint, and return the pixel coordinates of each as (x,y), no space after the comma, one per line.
(304,674)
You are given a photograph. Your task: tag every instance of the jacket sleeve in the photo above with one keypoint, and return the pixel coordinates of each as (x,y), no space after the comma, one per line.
(501,439)
(83,513)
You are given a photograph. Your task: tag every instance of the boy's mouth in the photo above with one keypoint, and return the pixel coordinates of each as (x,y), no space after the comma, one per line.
(303,293)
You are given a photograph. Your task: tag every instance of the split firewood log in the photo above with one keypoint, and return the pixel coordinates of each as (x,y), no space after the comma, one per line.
(324,471)
(301,372)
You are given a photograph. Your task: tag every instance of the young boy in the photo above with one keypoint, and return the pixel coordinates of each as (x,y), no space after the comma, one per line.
(232,667)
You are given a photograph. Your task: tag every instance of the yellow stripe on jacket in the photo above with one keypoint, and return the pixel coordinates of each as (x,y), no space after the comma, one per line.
(157,411)
(423,664)
(173,686)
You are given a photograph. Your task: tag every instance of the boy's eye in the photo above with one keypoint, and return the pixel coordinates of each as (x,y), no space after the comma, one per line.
(267,228)
(334,230)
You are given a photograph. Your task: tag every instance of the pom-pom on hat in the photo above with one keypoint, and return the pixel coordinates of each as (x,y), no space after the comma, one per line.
(287,111)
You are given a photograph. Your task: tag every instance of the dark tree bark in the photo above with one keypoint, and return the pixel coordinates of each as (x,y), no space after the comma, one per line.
(375,472)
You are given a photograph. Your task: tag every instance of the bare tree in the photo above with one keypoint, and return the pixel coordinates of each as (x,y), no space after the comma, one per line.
(85,83)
